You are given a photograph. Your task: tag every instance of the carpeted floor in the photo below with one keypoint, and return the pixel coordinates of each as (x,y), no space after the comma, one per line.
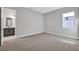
(41,42)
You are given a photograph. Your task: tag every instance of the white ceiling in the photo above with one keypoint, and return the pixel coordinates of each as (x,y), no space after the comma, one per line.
(43,10)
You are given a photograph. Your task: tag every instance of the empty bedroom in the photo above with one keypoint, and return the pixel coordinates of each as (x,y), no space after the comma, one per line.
(39,29)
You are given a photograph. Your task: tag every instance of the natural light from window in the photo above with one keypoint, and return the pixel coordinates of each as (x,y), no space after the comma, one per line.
(68,20)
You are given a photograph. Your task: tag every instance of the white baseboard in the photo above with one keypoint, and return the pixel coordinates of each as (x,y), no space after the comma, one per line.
(29,34)
(48,33)
(63,35)
(22,36)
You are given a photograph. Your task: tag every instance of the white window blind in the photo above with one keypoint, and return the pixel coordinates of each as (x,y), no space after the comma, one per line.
(68,20)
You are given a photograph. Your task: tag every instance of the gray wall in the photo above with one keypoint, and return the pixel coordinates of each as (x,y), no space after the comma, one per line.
(28,22)
(53,22)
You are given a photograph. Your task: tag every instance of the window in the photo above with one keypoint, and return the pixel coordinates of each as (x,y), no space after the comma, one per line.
(68,20)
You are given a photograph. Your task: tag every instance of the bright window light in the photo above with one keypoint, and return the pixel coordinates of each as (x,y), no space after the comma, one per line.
(68,20)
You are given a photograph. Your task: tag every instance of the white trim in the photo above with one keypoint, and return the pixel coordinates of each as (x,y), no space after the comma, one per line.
(48,33)
(63,35)
(29,34)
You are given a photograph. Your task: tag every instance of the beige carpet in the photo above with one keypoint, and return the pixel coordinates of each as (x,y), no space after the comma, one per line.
(41,42)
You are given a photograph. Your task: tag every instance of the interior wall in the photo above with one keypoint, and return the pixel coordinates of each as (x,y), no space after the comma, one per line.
(28,22)
(53,22)
(10,13)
